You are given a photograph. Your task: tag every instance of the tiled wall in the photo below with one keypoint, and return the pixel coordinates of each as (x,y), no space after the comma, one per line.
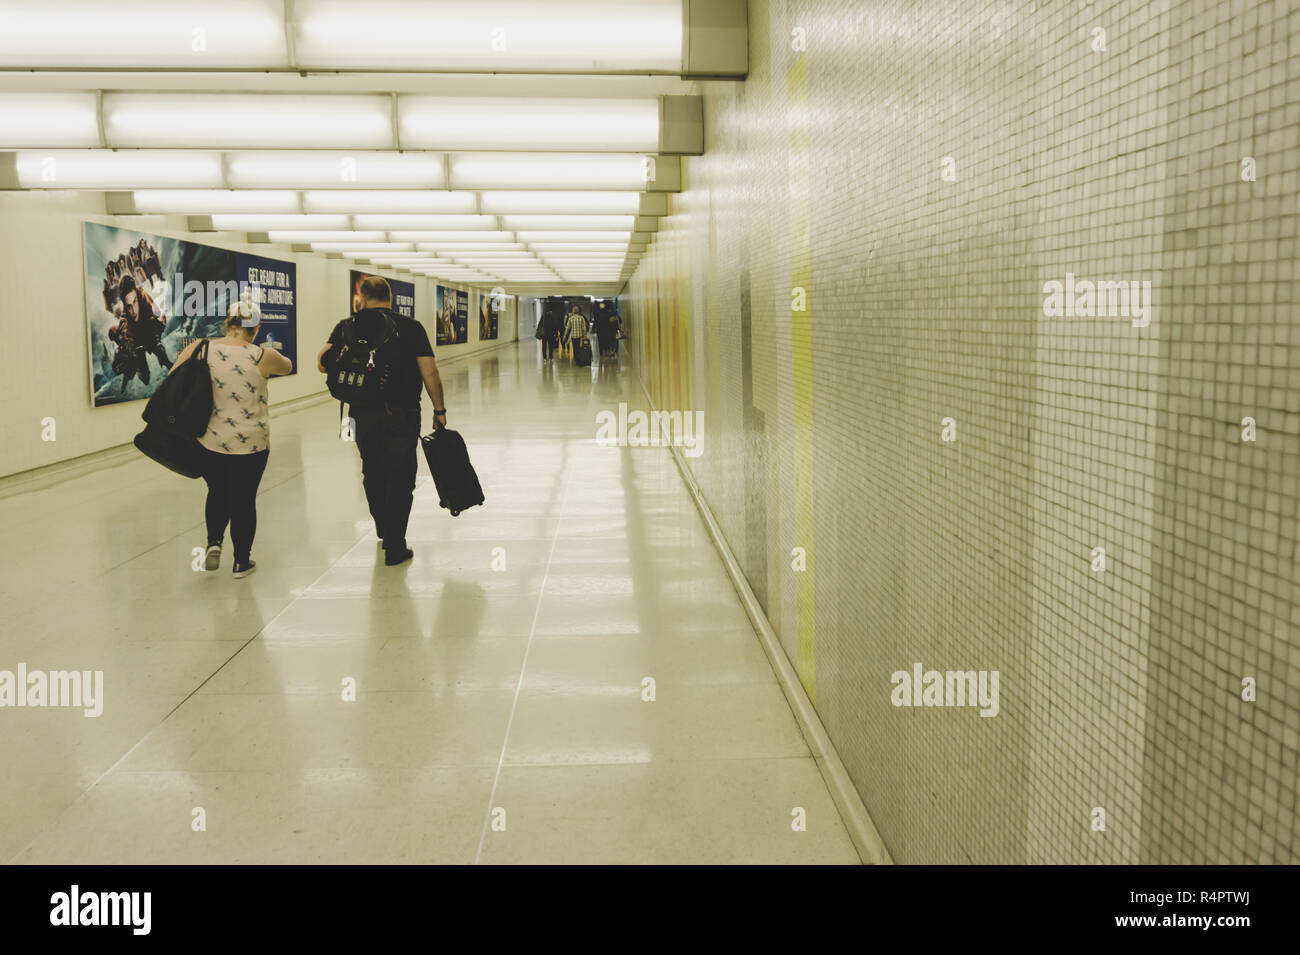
(922,170)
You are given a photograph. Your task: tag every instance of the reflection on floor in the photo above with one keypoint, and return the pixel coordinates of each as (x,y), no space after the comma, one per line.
(498,714)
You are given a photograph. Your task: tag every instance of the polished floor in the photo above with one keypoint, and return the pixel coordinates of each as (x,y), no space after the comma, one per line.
(498,714)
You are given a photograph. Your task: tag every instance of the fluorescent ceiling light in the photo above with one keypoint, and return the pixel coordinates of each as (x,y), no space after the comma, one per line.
(105,169)
(48,120)
(493,122)
(325,169)
(350,237)
(270,223)
(542,248)
(86,34)
(473,246)
(247,120)
(546,171)
(490,35)
(406,222)
(360,248)
(519,202)
(570,223)
(596,235)
(389,201)
(468,235)
(404,257)
(200,202)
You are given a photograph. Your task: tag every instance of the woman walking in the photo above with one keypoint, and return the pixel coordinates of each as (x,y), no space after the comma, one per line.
(237,441)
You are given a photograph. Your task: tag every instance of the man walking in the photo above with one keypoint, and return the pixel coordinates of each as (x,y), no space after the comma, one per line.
(387,429)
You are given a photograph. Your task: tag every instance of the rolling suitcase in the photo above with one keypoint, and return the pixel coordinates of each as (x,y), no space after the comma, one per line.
(582,352)
(453,475)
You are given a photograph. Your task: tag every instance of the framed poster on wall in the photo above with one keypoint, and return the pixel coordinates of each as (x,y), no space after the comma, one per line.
(149,296)
(452,311)
(487,317)
(403,293)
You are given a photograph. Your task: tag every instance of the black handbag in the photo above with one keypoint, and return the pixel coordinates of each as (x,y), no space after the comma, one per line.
(183,402)
(175,451)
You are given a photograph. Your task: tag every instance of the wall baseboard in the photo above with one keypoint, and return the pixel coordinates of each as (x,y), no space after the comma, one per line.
(46,475)
(866,839)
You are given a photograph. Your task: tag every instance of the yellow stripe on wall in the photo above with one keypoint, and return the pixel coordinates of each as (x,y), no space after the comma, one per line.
(801,369)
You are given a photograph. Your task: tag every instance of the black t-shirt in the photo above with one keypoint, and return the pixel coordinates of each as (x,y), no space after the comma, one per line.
(403,382)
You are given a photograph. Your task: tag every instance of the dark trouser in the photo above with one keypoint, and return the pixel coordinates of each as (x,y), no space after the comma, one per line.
(232,481)
(386,440)
(549,344)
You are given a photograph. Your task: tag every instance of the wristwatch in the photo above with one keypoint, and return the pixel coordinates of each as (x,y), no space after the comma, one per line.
(438,411)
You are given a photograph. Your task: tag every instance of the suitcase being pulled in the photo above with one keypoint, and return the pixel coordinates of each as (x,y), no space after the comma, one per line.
(453,475)
(582,352)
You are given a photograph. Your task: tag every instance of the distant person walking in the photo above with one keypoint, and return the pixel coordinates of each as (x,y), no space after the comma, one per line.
(387,432)
(237,442)
(603,331)
(575,327)
(553,319)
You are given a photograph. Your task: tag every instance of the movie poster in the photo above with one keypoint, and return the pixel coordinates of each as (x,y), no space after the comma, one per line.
(452,316)
(149,296)
(403,294)
(487,317)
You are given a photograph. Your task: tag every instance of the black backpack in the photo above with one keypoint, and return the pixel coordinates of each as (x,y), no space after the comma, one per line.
(183,402)
(355,373)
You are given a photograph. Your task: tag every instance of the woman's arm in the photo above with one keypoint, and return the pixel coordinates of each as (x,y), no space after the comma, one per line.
(273,363)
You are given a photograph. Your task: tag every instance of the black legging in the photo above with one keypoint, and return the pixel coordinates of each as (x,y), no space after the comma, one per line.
(232,498)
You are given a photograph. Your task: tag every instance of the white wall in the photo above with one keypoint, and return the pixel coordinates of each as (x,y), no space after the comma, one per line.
(42,308)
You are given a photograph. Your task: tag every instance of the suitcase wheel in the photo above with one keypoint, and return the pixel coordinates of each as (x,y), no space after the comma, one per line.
(454,512)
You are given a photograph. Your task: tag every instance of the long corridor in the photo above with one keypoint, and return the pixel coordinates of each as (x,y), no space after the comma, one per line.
(485,703)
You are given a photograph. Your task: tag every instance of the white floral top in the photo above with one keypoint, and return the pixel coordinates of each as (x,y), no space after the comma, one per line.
(239,423)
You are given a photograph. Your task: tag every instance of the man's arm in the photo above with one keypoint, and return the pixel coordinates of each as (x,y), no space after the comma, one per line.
(320,358)
(433,385)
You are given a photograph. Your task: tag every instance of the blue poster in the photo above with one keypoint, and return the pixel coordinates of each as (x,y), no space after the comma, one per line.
(275,290)
(148,296)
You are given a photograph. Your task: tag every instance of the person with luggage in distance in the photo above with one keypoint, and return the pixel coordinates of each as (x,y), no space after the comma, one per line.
(575,329)
(237,441)
(377,360)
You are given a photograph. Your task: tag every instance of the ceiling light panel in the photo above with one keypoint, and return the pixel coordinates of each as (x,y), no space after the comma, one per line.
(361,248)
(350,237)
(206,202)
(390,201)
(493,122)
(433,222)
(469,235)
(562,202)
(490,35)
(247,121)
(48,120)
(272,223)
(531,171)
(560,235)
(325,169)
(200,35)
(105,169)
(622,224)
(472,246)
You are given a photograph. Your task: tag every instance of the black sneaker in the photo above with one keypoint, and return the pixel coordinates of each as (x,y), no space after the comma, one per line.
(243,570)
(394,557)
